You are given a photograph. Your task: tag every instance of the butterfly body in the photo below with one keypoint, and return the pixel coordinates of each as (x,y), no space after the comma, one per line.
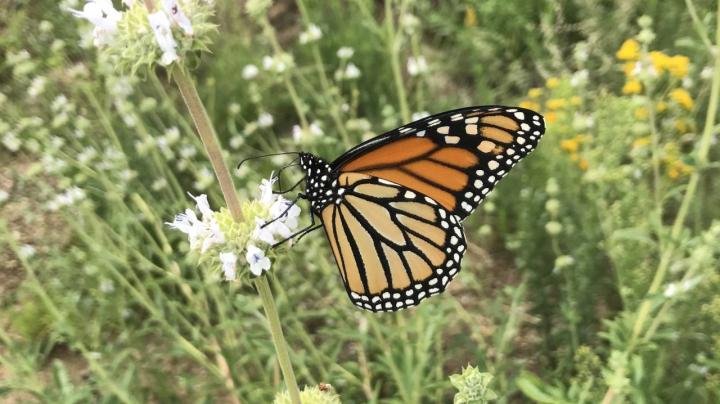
(321,185)
(392,207)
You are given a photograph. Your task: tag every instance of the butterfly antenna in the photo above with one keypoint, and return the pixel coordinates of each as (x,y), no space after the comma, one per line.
(263,156)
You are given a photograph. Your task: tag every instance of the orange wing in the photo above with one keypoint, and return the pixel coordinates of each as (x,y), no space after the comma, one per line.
(455,158)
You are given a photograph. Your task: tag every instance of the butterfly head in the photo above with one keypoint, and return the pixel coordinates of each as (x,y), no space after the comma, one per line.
(321,183)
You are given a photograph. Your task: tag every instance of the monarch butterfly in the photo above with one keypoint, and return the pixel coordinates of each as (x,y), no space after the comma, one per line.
(392,207)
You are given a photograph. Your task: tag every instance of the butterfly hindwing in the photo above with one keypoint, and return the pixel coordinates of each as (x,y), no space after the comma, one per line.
(394,247)
(456,157)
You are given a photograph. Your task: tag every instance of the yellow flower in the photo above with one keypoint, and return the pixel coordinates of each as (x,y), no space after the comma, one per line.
(629,50)
(679,66)
(552,82)
(574,157)
(682,97)
(641,142)
(535,92)
(583,164)
(661,106)
(551,117)
(570,145)
(628,69)
(575,100)
(529,105)
(632,86)
(677,168)
(641,113)
(583,138)
(555,103)
(470,16)
(660,61)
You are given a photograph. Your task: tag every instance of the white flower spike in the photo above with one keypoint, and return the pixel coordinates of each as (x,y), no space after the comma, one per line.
(172,8)
(257,260)
(163,35)
(229,265)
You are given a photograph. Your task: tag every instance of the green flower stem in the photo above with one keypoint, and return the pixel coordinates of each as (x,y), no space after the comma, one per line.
(393,43)
(209,139)
(667,256)
(212,147)
(263,288)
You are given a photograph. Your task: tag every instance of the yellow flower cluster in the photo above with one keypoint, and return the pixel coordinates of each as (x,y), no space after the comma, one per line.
(674,166)
(572,146)
(629,50)
(632,86)
(632,54)
(641,142)
(677,65)
(682,98)
(676,169)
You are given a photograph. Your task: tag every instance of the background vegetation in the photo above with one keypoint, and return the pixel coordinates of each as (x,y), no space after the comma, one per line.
(592,271)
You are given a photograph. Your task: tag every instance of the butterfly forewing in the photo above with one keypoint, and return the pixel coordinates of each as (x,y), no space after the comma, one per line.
(394,246)
(456,158)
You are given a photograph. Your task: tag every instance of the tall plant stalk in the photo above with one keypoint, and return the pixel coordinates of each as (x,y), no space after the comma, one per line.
(207,134)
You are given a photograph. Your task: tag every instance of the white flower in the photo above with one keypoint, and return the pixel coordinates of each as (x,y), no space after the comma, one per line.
(4,195)
(70,197)
(202,234)
(282,215)
(278,63)
(345,52)
(579,78)
(103,16)
(257,260)
(265,120)
(229,265)
(300,135)
(107,286)
(297,133)
(249,72)
(289,211)
(671,290)
(265,232)
(266,191)
(37,86)
(173,9)
(417,66)
(11,141)
(26,251)
(351,71)
(159,184)
(312,34)
(163,35)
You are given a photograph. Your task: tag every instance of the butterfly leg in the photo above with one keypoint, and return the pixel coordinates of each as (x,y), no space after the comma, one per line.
(284,212)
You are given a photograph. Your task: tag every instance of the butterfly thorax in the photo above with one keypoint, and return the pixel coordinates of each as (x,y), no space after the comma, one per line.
(321,186)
